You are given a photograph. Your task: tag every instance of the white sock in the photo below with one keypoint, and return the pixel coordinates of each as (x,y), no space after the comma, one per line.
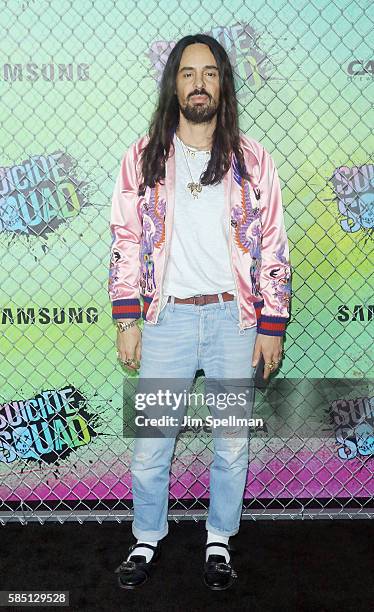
(142,550)
(217,550)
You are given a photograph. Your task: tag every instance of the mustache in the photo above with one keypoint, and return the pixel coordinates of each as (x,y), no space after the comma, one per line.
(199,92)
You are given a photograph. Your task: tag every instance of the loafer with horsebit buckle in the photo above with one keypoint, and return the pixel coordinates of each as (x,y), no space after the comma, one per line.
(136,571)
(218,573)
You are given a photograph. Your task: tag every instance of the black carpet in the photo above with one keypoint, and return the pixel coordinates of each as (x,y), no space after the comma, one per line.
(283,565)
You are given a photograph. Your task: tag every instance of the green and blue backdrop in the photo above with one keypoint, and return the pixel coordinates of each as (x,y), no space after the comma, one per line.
(79,81)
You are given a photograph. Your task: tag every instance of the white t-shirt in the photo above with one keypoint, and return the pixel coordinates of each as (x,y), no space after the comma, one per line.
(199,260)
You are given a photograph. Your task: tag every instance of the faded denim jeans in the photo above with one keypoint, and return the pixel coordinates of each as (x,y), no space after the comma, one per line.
(187,338)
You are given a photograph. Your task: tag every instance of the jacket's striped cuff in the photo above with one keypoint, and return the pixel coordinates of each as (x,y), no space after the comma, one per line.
(147,301)
(126,309)
(272,326)
(269,326)
(258,306)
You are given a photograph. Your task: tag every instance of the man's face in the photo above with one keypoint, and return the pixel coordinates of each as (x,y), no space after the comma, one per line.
(197,84)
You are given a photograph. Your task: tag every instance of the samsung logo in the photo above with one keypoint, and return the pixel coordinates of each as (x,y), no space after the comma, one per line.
(45,72)
(358,312)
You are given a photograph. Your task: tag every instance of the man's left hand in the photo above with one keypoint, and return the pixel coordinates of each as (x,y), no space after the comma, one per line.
(271,348)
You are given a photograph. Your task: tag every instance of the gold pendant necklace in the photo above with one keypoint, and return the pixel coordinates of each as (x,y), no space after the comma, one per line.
(195,188)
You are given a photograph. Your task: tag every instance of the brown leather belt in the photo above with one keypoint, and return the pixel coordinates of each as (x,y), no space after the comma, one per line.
(201,300)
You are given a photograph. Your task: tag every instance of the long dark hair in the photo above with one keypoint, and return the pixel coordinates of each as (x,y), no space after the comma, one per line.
(226,139)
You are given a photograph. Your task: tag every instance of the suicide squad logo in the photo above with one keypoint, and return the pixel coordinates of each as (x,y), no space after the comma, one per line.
(354,189)
(353,421)
(242,44)
(46,427)
(40,194)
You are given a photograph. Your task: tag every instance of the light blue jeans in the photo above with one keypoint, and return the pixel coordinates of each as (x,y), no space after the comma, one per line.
(187,338)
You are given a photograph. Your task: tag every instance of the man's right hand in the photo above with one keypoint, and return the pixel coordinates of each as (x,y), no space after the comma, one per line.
(129,344)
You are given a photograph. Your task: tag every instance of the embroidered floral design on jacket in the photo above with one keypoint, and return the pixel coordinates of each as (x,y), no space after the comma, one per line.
(281,286)
(246,221)
(153,235)
(115,256)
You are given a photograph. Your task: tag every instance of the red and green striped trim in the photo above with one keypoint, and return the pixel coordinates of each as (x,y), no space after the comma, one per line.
(126,309)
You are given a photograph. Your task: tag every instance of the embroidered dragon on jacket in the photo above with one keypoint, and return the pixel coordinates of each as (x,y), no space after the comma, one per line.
(245,219)
(153,235)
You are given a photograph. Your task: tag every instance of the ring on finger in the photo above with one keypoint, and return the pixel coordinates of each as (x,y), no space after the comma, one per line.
(124,361)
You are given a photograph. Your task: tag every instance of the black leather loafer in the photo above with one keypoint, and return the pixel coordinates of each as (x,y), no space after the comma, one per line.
(218,573)
(136,570)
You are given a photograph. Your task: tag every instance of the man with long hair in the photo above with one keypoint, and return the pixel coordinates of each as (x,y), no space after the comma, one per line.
(198,235)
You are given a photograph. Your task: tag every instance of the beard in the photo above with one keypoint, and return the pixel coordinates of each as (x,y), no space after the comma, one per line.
(199,113)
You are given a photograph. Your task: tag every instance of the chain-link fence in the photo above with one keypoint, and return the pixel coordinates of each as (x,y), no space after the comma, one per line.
(78,85)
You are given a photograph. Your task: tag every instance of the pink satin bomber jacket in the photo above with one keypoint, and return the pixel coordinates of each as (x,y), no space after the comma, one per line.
(141,226)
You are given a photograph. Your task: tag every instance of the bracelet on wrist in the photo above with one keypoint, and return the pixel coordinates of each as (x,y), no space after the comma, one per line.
(124,325)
